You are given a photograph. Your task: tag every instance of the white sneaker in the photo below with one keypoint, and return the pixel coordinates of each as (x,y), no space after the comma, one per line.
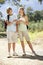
(24,54)
(9,56)
(15,54)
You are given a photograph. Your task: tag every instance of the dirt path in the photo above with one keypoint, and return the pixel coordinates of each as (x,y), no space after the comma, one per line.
(30,59)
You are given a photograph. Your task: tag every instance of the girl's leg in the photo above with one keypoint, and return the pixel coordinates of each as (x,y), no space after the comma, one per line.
(30,45)
(23,47)
(22,41)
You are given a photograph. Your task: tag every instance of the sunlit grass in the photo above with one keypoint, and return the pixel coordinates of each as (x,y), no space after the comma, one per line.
(35,35)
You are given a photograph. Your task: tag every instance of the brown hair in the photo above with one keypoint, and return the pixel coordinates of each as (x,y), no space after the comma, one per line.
(8,10)
(23,11)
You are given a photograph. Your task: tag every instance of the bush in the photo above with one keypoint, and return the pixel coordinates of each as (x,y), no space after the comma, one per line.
(36,26)
(2,26)
(3,35)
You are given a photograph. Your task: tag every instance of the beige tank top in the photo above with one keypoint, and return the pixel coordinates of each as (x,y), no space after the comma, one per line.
(22,26)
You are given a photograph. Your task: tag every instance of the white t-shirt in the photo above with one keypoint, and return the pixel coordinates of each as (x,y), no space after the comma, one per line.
(12,27)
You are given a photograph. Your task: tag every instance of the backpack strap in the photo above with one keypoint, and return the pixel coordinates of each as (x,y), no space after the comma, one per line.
(8,17)
(5,22)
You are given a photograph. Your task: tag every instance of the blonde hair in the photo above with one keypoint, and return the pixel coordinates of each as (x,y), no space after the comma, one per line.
(21,8)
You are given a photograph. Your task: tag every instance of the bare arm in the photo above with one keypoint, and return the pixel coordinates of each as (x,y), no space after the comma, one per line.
(8,22)
(17,23)
(26,18)
(16,27)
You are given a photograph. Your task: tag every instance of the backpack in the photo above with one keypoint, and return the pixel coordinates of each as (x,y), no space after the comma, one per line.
(27,26)
(6,23)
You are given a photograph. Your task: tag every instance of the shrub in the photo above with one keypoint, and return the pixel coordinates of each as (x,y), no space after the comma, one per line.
(36,26)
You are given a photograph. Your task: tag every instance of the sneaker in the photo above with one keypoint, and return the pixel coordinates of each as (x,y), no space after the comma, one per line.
(24,54)
(15,54)
(35,53)
(9,56)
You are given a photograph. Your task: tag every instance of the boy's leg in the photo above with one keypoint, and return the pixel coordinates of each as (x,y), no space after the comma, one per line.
(9,43)
(14,40)
(23,47)
(14,53)
(13,46)
(9,47)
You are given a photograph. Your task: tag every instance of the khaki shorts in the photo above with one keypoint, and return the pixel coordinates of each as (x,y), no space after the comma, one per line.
(12,37)
(24,34)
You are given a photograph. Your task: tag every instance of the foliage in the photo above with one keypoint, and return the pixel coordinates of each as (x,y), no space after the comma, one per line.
(34,15)
(40,1)
(38,26)
(1,14)
(2,35)
(2,26)
(33,26)
(16,1)
(2,1)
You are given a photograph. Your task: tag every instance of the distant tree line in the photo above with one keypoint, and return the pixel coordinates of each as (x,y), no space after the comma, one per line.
(34,15)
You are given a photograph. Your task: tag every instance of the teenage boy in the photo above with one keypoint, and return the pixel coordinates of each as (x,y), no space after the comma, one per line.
(11,31)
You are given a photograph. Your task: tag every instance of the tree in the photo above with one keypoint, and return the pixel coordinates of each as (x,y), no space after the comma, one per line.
(0,15)
(29,13)
(2,1)
(37,16)
(15,2)
(41,13)
(29,9)
(40,1)
(34,15)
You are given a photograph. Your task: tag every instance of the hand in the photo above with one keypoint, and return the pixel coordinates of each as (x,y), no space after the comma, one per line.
(18,22)
(15,20)
(9,23)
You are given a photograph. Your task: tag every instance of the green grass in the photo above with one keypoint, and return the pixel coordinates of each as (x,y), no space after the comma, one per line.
(35,35)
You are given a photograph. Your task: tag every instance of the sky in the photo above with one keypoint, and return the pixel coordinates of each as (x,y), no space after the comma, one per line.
(34,4)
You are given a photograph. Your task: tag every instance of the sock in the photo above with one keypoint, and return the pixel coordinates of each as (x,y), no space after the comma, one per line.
(13,52)
(24,53)
(9,53)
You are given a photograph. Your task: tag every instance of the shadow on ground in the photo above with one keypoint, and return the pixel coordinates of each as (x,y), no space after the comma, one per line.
(31,57)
